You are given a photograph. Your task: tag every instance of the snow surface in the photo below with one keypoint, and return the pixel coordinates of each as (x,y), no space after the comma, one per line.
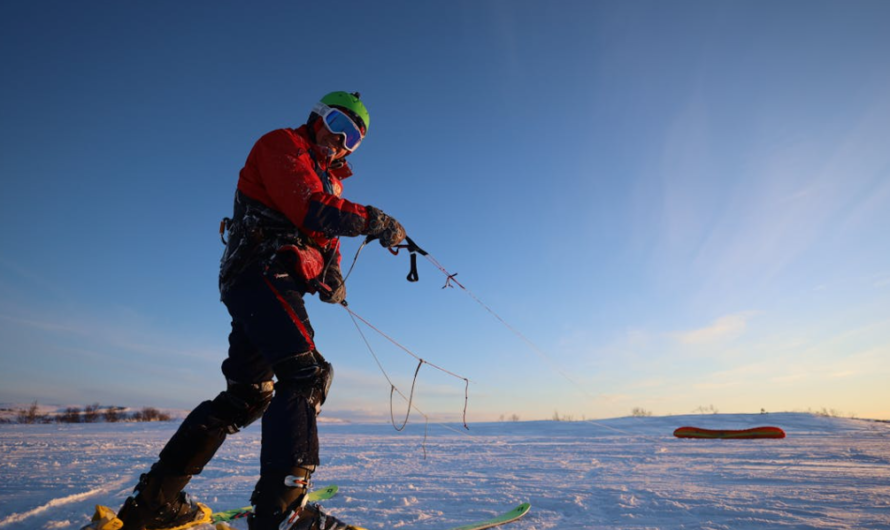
(619,473)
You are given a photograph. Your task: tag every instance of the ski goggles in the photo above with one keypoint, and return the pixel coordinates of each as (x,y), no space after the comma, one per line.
(339,123)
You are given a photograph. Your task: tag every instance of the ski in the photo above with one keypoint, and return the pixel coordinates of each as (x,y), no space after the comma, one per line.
(106,519)
(224,520)
(320,494)
(504,518)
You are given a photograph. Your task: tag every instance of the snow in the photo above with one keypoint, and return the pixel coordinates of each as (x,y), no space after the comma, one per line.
(619,473)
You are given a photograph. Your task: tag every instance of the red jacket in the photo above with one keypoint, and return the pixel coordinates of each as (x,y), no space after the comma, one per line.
(288,173)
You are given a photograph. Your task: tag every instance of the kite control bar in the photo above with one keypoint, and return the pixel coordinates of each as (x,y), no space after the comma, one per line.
(411,247)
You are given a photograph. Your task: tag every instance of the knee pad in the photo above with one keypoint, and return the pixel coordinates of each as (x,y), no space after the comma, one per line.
(307,375)
(243,403)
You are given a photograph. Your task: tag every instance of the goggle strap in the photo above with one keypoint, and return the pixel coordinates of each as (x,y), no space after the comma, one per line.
(321,109)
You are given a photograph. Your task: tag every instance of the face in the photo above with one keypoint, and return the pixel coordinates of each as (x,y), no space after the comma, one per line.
(334,142)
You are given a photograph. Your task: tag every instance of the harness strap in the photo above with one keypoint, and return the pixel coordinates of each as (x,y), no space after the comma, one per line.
(223,226)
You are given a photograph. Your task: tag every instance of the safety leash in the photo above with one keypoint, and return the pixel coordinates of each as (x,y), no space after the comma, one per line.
(450,281)
(420,362)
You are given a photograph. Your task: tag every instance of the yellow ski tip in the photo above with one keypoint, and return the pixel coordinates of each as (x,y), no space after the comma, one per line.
(104,519)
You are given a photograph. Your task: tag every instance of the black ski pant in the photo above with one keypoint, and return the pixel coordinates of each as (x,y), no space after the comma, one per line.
(270,328)
(271,337)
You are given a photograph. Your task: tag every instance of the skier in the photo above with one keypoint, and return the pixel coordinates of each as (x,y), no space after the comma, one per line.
(283,244)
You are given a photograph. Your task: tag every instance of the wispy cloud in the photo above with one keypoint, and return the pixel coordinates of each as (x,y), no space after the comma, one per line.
(785,367)
(26,277)
(716,385)
(40,325)
(882,282)
(111,333)
(727,230)
(723,329)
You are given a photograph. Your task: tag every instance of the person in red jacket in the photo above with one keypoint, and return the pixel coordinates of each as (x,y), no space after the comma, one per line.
(283,244)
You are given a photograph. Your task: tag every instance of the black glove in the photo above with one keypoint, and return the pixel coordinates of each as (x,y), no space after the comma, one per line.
(388,230)
(334,280)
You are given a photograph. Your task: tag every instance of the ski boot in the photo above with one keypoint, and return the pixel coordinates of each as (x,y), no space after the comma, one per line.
(160,504)
(106,519)
(279,502)
(312,517)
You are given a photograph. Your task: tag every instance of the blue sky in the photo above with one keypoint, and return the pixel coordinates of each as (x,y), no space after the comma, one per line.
(682,204)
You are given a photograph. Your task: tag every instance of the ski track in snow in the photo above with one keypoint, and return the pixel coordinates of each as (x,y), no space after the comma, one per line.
(828,473)
(16,517)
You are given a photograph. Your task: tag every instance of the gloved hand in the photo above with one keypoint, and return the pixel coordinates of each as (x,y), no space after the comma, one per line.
(387,229)
(334,280)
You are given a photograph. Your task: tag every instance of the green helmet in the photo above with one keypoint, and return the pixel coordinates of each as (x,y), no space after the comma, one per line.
(352,104)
